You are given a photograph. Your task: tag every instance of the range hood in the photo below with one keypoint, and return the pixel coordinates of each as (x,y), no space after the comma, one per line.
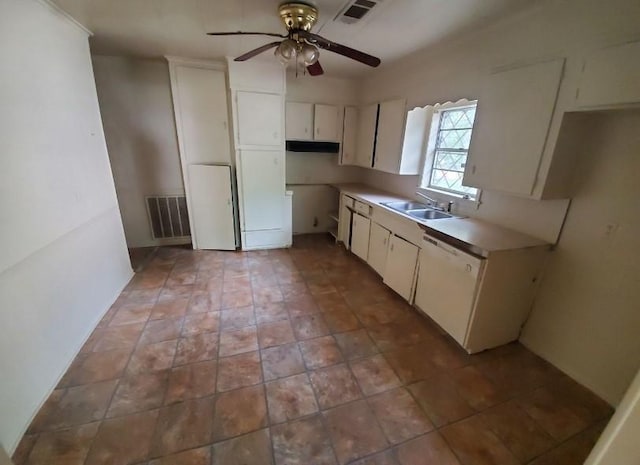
(312,146)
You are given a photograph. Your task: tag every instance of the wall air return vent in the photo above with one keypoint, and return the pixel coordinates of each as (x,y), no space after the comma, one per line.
(356,10)
(168,216)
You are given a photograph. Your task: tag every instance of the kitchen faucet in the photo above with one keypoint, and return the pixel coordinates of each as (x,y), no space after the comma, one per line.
(433,203)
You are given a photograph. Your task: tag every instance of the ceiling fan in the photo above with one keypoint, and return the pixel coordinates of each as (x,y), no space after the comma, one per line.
(299,42)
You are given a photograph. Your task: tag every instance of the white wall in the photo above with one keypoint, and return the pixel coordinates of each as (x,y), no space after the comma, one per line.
(308,174)
(63,258)
(583,320)
(586,319)
(137,112)
(619,441)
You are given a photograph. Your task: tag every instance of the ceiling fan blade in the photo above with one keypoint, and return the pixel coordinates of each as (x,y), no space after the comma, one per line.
(256,51)
(340,49)
(240,33)
(315,69)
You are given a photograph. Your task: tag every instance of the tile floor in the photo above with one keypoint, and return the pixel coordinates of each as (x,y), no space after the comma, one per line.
(297,356)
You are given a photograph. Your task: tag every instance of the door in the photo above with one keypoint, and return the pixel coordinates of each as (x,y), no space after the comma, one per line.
(263,188)
(378,247)
(299,121)
(510,130)
(211,207)
(400,270)
(325,122)
(447,286)
(202,115)
(366,136)
(391,121)
(345,226)
(259,119)
(349,134)
(360,235)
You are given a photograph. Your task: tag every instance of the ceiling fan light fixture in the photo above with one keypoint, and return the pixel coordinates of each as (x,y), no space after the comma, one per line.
(309,54)
(286,51)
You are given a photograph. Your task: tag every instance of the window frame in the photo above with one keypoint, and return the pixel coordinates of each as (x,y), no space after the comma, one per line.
(424,185)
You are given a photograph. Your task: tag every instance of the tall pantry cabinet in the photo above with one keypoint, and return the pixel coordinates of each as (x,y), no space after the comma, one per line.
(199,93)
(257,102)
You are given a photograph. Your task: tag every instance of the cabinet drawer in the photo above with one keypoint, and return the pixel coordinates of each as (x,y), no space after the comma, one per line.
(347,201)
(362,208)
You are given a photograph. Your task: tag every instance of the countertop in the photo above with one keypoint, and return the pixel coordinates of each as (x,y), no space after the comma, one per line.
(477,236)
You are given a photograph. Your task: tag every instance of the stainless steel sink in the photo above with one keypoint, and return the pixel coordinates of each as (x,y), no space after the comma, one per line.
(405,206)
(417,210)
(428,214)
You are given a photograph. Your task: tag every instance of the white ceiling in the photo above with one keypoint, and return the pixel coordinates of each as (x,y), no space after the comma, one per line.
(394,28)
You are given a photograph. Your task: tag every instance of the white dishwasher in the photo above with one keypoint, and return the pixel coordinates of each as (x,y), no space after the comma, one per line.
(447,283)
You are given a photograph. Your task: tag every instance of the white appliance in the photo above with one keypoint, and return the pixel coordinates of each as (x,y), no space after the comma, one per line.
(447,285)
(211,207)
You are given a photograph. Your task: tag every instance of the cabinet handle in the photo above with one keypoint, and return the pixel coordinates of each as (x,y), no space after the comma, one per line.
(391,248)
(473,169)
(306,130)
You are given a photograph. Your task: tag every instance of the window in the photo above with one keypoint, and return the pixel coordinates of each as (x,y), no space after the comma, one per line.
(447,153)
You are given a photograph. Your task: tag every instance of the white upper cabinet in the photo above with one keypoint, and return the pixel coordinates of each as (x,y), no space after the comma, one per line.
(611,77)
(366,134)
(414,143)
(257,75)
(259,119)
(299,121)
(349,135)
(326,123)
(512,121)
(391,121)
(202,115)
(388,138)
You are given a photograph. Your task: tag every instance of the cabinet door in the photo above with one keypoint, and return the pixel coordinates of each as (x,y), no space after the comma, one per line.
(211,207)
(401,266)
(360,235)
(299,121)
(378,247)
(201,110)
(262,189)
(610,77)
(345,226)
(325,122)
(513,117)
(259,119)
(349,135)
(391,119)
(366,137)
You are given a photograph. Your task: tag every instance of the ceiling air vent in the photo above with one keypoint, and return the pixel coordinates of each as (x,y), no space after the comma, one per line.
(356,10)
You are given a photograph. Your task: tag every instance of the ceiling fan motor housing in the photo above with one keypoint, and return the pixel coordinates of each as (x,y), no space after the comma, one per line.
(298,16)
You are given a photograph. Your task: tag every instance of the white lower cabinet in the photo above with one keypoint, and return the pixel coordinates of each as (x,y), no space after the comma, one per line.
(446,286)
(481,303)
(344,224)
(378,247)
(360,227)
(399,272)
